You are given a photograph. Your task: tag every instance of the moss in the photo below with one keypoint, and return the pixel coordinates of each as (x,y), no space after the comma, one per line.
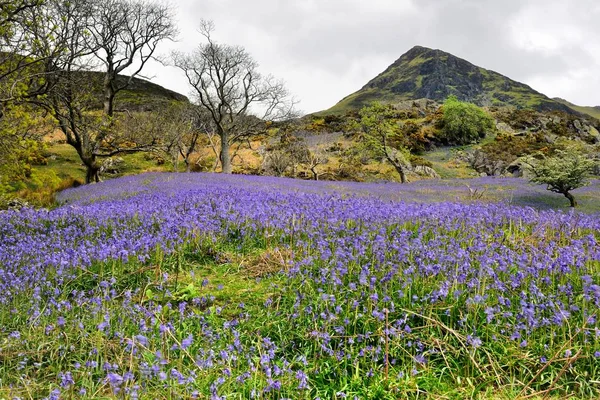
(418,61)
(419,82)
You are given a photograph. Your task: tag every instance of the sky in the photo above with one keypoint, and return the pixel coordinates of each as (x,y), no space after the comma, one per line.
(326,49)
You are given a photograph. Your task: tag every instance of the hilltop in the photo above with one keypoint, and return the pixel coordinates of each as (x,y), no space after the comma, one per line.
(424,73)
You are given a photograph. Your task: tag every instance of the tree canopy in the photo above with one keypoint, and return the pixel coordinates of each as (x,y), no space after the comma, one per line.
(562,172)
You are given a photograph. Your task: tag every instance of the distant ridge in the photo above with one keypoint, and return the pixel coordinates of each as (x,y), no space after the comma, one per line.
(435,74)
(593,111)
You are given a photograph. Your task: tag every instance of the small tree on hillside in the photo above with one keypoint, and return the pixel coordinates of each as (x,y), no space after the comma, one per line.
(287,153)
(563,172)
(383,136)
(464,123)
(314,159)
(227,85)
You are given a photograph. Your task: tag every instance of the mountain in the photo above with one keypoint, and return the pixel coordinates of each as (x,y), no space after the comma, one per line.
(435,74)
(591,111)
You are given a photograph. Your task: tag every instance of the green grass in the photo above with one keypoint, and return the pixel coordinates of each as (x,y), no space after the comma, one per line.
(445,164)
(591,111)
(64,161)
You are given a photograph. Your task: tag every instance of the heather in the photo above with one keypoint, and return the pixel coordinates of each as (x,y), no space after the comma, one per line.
(208,286)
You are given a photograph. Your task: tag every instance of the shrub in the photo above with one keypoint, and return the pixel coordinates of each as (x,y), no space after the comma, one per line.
(464,123)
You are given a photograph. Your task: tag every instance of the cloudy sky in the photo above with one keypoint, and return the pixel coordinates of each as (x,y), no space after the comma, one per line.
(327,49)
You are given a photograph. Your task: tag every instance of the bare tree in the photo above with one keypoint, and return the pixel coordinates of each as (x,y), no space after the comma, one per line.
(125,35)
(276,162)
(72,95)
(314,159)
(226,83)
(183,128)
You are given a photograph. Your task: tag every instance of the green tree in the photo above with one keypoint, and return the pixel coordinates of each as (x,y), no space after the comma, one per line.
(383,136)
(20,143)
(562,172)
(464,123)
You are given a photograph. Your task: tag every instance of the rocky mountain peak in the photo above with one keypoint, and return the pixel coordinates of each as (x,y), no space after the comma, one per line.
(435,74)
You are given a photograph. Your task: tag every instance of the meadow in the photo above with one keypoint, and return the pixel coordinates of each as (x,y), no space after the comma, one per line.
(181,286)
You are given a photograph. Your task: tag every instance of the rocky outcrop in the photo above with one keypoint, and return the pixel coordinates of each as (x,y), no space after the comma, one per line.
(12,204)
(423,170)
(112,165)
(552,125)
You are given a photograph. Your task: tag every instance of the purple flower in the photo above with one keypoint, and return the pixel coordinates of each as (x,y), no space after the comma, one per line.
(420,359)
(66,379)
(114,379)
(187,342)
(474,341)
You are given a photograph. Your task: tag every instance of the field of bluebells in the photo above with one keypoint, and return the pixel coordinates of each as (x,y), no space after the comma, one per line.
(182,286)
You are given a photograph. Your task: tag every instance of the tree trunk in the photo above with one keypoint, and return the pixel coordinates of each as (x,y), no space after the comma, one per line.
(571,199)
(402,173)
(91,174)
(88,158)
(315,174)
(225,156)
(109,96)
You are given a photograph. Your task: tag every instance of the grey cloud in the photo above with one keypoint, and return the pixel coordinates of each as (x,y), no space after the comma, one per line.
(353,40)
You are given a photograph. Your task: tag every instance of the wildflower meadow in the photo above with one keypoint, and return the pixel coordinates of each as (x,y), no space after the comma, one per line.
(183,286)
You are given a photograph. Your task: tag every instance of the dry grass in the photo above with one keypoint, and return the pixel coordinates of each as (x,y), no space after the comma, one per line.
(267,263)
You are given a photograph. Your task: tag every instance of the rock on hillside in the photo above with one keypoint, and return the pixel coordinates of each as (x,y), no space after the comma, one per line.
(435,74)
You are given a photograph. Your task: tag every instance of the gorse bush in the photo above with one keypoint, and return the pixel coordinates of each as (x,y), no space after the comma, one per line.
(200,286)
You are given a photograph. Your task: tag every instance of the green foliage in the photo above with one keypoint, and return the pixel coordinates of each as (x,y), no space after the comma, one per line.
(464,123)
(563,172)
(420,161)
(20,145)
(383,137)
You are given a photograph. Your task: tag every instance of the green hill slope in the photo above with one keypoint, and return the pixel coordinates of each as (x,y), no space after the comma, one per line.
(591,111)
(140,95)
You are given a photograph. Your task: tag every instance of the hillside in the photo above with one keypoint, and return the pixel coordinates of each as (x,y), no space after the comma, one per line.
(435,74)
(141,95)
(591,111)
